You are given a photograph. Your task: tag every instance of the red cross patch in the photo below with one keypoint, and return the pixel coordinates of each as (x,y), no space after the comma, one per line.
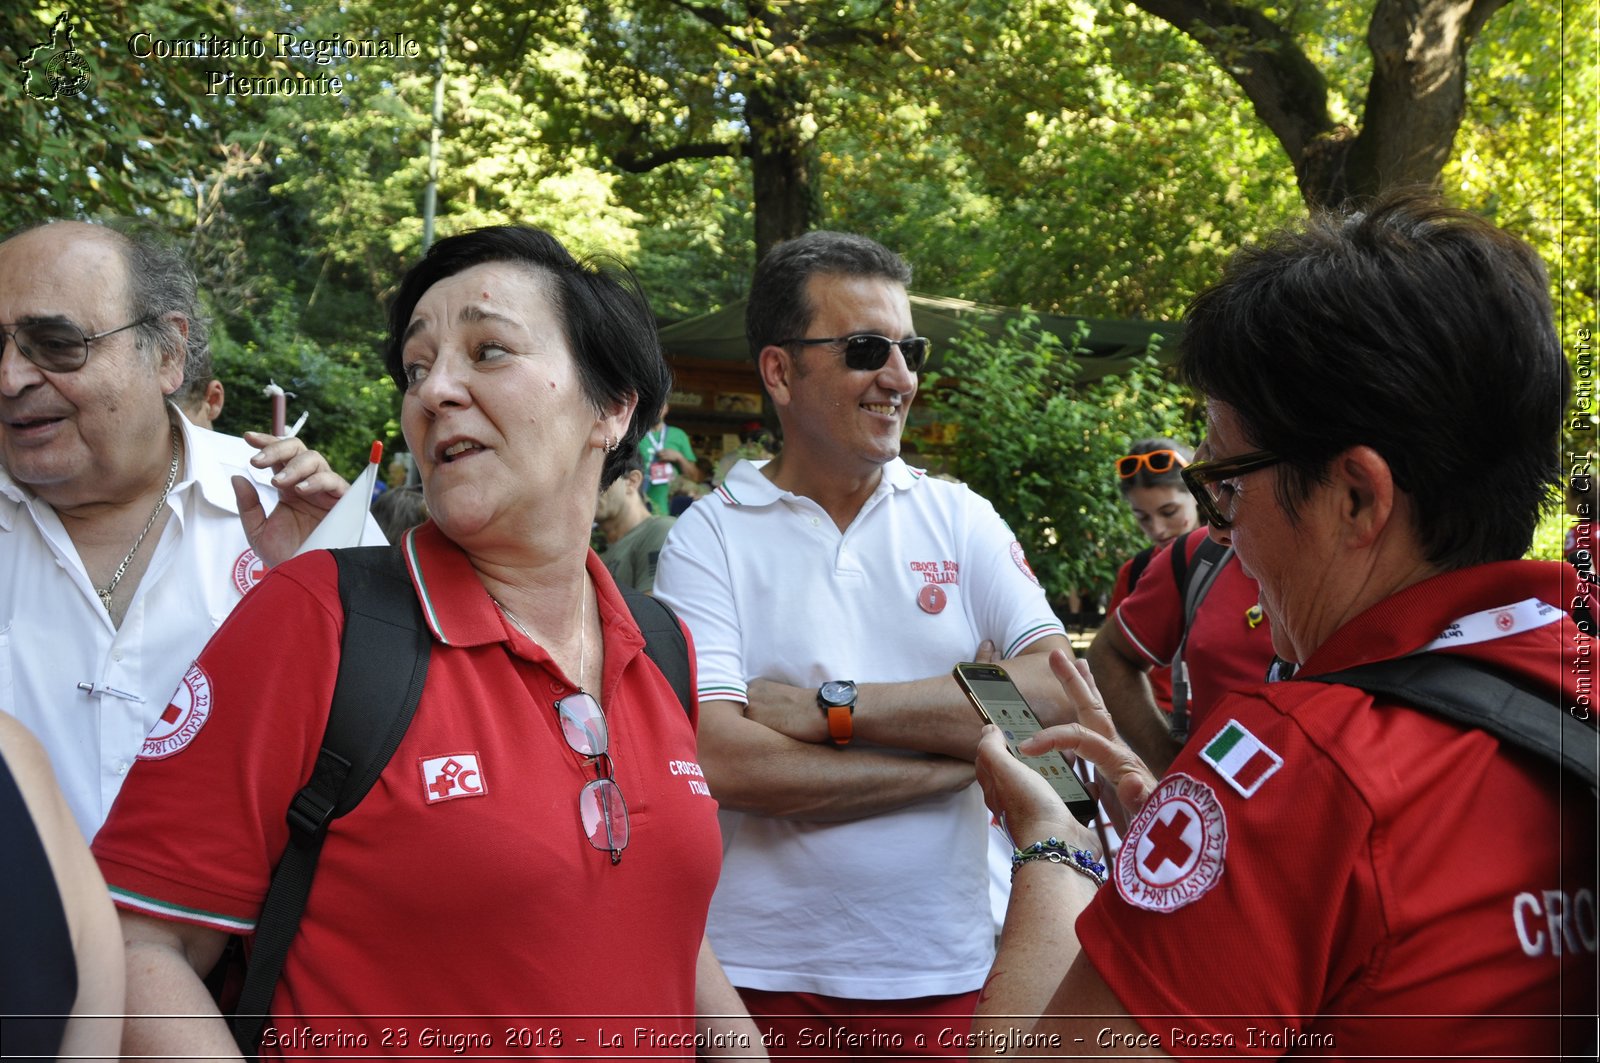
(248,570)
(449,777)
(1173,852)
(183,717)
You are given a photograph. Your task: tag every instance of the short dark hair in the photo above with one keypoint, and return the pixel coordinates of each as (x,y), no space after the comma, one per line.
(1411,327)
(607,319)
(778,308)
(1173,477)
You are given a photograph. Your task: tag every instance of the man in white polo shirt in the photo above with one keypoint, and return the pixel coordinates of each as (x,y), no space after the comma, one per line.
(126,534)
(830,591)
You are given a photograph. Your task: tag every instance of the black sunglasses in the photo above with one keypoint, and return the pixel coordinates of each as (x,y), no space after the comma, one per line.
(1206,480)
(867,351)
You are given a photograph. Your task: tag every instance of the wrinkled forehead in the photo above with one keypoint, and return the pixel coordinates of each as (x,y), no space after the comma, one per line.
(66,270)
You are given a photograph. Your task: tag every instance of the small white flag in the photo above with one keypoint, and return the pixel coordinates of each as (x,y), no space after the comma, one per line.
(348,519)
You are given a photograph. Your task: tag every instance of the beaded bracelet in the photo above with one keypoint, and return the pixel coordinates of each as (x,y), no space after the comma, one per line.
(1059,852)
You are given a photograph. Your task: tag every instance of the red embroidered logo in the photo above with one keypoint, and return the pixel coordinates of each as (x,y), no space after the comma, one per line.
(1504,620)
(185,714)
(449,777)
(1021,559)
(248,570)
(1173,852)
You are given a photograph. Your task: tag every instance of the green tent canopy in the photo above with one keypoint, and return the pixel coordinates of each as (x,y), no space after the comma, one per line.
(1110,345)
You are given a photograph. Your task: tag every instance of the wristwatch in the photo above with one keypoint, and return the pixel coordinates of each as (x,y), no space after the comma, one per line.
(837,699)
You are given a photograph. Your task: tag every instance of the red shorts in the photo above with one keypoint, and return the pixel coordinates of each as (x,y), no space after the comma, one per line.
(811,1026)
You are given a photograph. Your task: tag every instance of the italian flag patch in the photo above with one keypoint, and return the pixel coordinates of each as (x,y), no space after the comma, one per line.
(1241,758)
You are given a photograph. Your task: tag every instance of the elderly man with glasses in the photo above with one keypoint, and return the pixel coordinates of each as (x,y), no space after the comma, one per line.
(125,535)
(830,591)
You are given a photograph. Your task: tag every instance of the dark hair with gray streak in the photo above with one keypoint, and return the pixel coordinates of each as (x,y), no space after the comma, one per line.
(161,286)
(778,308)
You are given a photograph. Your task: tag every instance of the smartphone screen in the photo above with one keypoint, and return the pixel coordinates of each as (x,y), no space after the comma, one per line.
(999,701)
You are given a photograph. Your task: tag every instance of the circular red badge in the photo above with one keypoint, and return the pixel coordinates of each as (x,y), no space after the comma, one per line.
(185,715)
(248,570)
(1173,851)
(1021,559)
(932,598)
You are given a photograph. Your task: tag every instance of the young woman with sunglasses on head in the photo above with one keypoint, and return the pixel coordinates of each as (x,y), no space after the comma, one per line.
(1149,478)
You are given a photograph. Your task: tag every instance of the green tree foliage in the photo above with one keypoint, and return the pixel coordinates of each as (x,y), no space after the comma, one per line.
(348,407)
(1040,447)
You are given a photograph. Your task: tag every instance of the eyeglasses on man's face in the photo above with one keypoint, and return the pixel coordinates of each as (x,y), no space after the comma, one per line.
(1211,483)
(58,346)
(868,351)
(601,809)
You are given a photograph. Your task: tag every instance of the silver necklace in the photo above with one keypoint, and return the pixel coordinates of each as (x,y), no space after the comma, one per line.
(583,626)
(172,478)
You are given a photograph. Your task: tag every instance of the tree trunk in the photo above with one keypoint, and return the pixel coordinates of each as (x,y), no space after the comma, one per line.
(780,164)
(1414,104)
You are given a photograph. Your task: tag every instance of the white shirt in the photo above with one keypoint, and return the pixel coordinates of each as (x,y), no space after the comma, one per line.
(91,691)
(896,905)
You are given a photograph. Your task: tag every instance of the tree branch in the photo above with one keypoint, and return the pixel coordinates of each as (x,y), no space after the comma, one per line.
(1287,90)
(633,161)
(1418,92)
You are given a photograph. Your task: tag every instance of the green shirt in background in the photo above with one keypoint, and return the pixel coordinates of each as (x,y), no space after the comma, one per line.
(658,474)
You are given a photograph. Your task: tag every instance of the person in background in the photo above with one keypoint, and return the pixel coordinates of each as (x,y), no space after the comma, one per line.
(399,508)
(1149,482)
(830,591)
(61,965)
(1324,870)
(527,377)
(665,453)
(633,535)
(126,535)
(201,394)
(1226,645)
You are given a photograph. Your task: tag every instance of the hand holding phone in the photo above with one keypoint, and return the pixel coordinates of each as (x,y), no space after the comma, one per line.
(998,701)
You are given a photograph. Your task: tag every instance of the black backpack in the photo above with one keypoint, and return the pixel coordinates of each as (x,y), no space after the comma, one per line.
(372,708)
(1473,694)
(1194,579)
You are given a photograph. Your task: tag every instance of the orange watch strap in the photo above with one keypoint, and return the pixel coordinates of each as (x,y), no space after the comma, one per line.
(841,723)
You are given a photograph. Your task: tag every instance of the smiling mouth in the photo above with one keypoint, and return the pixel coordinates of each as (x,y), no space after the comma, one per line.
(884,409)
(457,449)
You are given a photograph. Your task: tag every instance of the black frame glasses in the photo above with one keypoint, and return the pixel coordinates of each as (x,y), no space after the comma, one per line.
(602,812)
(1216,506)
(869,352)
(1157,461)
(58,346)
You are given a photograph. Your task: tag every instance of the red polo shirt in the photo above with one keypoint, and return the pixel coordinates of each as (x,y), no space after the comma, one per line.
(1364,879)
(463,885)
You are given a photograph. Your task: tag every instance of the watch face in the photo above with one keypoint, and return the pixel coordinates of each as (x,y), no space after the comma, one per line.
(837,692)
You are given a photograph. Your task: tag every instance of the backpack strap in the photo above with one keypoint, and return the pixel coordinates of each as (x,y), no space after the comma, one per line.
(1136,567)
(663,641)
(383,661)
(1194,582)
(1470,693)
